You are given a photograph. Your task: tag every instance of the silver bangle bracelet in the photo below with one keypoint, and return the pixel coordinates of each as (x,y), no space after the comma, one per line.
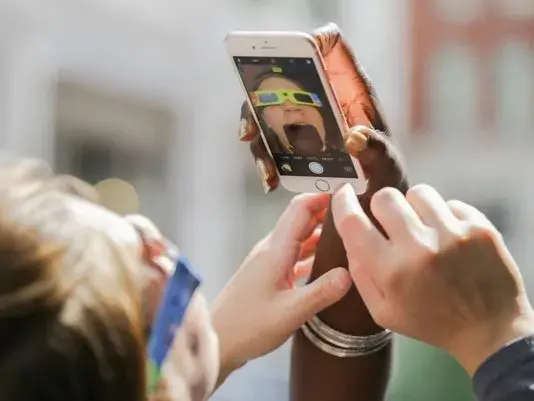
(339,352)
(344,345)
(347,341)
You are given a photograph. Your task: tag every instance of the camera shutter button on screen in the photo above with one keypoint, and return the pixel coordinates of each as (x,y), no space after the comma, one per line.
(316,168)
(322,185)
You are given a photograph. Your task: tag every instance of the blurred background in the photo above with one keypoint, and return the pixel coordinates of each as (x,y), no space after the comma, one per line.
(139,98)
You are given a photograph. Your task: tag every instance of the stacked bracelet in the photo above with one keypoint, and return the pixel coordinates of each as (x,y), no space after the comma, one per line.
(343,345)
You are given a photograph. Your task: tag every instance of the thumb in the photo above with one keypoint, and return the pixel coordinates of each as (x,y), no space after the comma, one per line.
(307,301)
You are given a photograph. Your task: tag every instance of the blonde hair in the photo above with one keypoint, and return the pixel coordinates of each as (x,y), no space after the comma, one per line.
(70,317)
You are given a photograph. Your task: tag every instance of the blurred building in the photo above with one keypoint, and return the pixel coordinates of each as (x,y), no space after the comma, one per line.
(143,91)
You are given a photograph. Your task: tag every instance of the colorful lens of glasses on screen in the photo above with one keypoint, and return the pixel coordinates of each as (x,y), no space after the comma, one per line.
(277,97)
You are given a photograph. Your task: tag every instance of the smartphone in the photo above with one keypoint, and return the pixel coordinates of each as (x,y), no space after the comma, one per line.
(293,103)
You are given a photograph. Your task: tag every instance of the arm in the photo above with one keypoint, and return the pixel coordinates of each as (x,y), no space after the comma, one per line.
(318,376)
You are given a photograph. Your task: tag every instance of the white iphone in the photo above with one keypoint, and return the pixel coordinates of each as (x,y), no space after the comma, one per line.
(293,103)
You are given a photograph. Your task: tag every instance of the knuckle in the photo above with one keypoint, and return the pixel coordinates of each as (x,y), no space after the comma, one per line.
(382,317)
(423,250)
(456,232)
(427,253)
(483,232)
(298,202)
(452,203)
(385,195)
(361,131)
(364,129)
(418,191)
(428,257)
(349,223)
(322,291)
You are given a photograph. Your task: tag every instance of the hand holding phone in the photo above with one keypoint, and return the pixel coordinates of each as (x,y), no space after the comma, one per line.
(304,101)
(291,99)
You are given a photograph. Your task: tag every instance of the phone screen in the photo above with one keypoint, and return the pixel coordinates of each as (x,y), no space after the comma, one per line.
(295,116)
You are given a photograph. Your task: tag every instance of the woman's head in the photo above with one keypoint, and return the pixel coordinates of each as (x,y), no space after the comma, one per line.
(71,284)
(299,117)
(290,116)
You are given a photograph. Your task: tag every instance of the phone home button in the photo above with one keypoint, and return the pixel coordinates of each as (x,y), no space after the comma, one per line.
(322,185)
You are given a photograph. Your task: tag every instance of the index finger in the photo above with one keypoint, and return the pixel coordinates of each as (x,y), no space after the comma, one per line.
(365,245)
(300,218)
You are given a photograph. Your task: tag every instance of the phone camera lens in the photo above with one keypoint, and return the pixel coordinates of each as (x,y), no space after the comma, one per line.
(253,47)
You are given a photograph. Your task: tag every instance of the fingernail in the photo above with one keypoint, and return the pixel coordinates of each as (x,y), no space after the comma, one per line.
(346,190)
(266,187)
(243,125)
(356,141)
(345,202)
(348,193)
(341,280)
(262,170)
(388,196)
(264,175)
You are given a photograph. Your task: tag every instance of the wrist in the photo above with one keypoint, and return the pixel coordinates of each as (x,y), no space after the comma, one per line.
(473,347)
(228,358)
(225,370)
(227,362)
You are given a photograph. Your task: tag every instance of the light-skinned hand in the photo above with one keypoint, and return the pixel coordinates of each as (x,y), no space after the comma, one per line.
(442,274)
(261,306)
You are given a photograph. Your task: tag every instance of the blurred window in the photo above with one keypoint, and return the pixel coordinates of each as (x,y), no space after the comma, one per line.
(102,134)
(460,11)
(453,90)
(514,72)
(501,75)
(92,161)
(516,9)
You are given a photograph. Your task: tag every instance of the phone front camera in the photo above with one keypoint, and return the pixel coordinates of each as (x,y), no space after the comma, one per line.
(253,47)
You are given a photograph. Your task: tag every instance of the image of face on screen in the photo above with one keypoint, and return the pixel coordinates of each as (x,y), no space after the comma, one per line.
(296,119)
(293,115)
(293,109)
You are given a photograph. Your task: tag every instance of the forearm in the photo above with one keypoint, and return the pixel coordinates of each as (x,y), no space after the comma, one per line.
(227,363)
(316,375)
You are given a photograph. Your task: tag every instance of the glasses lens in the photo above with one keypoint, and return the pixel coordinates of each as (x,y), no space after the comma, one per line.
(269,97)
(303,98)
